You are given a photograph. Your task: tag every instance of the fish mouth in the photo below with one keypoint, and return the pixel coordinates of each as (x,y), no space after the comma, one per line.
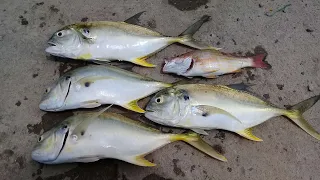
(52,43)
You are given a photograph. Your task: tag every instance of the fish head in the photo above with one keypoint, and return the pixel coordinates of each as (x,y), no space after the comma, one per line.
(55,95)
(168,106)
(51,143)
(65,43)
(178,65)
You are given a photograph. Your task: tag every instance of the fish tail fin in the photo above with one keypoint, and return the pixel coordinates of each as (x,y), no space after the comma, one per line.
(195,140)
(295,114)
(191,30)
(258,61)
(186,36)
(189,41)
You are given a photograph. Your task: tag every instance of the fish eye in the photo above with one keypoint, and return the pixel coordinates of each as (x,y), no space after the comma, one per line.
(47,90)
(40,138)
(85,30)
(67,77)
(159,100)
(60,34)
(64,126)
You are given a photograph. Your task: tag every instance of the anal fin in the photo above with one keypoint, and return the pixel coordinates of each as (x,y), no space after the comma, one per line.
(142,62)
(133,106)
(141,161)
(247,133)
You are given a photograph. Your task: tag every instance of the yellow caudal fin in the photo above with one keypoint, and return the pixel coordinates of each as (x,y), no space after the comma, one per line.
(186,36)
(133,106)
(189,41)
(247,133)
(142,62)
(140,161)
(295,114)
(195,140)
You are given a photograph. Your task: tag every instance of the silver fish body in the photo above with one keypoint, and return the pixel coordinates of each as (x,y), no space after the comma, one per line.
(203,107)
(108,41)
(92,86)
(89,138)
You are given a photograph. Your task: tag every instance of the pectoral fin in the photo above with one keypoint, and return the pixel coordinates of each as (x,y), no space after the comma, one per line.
(133,106)
(209,110)
(140,161)
(142,62)
(88,39)
(81,128)
(90,104)
(200,131)
(247,133)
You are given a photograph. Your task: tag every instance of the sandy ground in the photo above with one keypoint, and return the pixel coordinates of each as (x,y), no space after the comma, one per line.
(291,39)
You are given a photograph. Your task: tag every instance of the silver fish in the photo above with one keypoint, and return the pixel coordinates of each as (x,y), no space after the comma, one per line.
(93,136)
(203,107)
(107,41)
(92,86)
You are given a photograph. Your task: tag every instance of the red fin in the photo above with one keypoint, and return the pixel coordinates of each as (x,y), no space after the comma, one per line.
(259,63)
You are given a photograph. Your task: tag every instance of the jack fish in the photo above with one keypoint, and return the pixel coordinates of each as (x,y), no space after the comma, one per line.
(92,86)
(93,136)
(203,107)
(108,41)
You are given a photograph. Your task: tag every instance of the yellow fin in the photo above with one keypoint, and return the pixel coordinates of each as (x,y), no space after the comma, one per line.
(85,56)
(133,106)
(247,133)
(142,62)
(141,161)
(195,140)
(295,114)
(167,85)
(189,41)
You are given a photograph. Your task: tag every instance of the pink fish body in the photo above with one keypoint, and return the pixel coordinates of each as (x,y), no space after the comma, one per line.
(210,63)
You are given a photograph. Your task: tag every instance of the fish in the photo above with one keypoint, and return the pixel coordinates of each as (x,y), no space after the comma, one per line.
(202,107)
(89,137)
(210,63)
(94,85)
(105,41)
